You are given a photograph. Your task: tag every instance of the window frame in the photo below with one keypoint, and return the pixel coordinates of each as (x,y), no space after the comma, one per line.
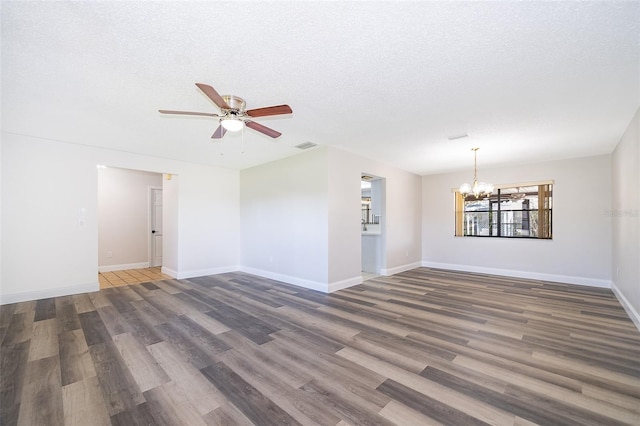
(544,211)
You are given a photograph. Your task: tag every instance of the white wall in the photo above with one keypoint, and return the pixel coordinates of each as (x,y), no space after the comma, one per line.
(400,221)
(284,219)
(171,224)
(50,245)
(301,219)
(208,221)
(625,218)
(1,174)
(344,218)
(580,251)
(123,217)
(403,224)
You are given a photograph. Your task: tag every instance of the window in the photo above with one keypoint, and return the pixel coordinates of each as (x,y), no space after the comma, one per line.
(516,211)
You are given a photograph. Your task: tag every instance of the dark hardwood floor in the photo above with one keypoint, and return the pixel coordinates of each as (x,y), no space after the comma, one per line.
(425,347)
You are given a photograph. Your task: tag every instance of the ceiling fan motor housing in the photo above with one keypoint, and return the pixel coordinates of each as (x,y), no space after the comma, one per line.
(235,102)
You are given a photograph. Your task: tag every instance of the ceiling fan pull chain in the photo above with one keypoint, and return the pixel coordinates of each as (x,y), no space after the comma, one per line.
(242,139)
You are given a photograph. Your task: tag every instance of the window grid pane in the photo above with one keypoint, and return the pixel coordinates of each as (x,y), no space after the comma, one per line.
(514,212)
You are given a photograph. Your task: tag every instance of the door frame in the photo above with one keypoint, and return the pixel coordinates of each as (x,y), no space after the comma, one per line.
(380,183)
(150,250)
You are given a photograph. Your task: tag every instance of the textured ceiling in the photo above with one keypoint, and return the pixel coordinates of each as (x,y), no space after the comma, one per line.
(528,81)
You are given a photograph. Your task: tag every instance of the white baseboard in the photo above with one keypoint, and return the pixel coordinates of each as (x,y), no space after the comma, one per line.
(402,268)
(633,314)
(47,293)
(202,272)
(304,283)
(567,279)
(123,267)
(168,271)
(300,282)
(339,285)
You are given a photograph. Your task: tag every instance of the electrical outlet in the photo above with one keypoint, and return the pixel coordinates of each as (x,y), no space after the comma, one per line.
(82,217)
(109,254)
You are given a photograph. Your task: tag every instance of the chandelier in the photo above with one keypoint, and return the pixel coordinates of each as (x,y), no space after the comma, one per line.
(478,189)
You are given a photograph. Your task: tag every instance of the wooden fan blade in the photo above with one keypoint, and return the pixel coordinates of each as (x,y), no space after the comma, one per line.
(213,95)
(219,133)
(262,129)
(272,110)
(207,114)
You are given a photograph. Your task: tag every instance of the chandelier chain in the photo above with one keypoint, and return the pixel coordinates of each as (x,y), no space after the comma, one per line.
(475,164)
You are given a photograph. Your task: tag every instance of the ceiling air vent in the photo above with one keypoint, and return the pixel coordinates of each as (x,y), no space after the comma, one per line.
(306,145)
(458,136)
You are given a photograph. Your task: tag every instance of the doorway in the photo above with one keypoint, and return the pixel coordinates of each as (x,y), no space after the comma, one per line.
(129,205)
(372,223)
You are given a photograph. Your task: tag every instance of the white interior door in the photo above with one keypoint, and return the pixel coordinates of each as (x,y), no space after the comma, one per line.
(156,227)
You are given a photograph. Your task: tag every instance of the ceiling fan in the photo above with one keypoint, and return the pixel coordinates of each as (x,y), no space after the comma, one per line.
(233,116)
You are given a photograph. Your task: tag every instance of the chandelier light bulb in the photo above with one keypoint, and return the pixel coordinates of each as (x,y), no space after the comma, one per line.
(465,188)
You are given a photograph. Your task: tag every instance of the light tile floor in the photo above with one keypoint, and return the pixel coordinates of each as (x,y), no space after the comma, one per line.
(130,276)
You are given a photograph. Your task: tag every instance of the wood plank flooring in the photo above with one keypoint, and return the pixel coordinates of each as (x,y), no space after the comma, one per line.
(424,347)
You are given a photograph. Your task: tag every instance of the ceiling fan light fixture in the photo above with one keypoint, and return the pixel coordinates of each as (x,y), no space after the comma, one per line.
(233,115)
(231,124)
